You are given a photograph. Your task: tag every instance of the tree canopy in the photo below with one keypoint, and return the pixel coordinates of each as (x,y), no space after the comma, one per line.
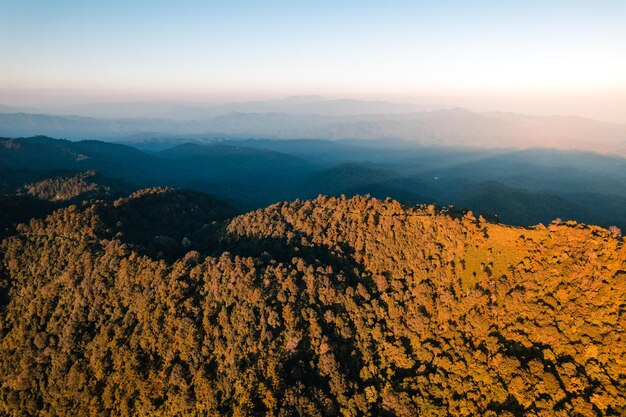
(166,303)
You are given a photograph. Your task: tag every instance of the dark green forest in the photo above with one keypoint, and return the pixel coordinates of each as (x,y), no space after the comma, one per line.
(521,187)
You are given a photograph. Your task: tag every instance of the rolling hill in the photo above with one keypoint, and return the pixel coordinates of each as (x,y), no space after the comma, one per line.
(167,303)
(523,187)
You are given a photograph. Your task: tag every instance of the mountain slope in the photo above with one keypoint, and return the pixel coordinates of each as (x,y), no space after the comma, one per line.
(247,176)
(519,206)
(41,153)
(323,307)
(359,179)
(251,174)
(75,187)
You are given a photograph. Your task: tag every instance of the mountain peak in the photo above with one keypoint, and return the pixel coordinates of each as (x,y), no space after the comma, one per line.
(302,99)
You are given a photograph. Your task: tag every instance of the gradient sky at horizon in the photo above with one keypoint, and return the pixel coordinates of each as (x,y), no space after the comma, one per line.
(452,51)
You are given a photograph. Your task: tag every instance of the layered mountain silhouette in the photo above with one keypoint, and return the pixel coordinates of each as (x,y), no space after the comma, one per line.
(166,302)
(521,187)
(368,121)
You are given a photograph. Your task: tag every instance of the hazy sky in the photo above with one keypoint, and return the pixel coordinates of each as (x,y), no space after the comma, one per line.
(548,56)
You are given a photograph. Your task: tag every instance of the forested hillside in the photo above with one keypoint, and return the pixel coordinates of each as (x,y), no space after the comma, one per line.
(166,303)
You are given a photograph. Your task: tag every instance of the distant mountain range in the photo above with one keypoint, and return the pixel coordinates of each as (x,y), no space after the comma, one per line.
(180,110)
(312,118)
(521,187)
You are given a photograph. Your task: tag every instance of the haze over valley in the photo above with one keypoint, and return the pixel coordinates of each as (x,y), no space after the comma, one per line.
(315,118)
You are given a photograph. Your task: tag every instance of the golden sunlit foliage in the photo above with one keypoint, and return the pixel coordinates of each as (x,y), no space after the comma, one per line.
(67,188)
(326,307)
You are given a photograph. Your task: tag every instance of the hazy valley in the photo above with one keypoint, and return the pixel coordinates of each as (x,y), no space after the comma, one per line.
(318,118)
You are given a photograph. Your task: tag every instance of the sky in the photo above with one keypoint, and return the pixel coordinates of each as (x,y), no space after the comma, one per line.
(557,56)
